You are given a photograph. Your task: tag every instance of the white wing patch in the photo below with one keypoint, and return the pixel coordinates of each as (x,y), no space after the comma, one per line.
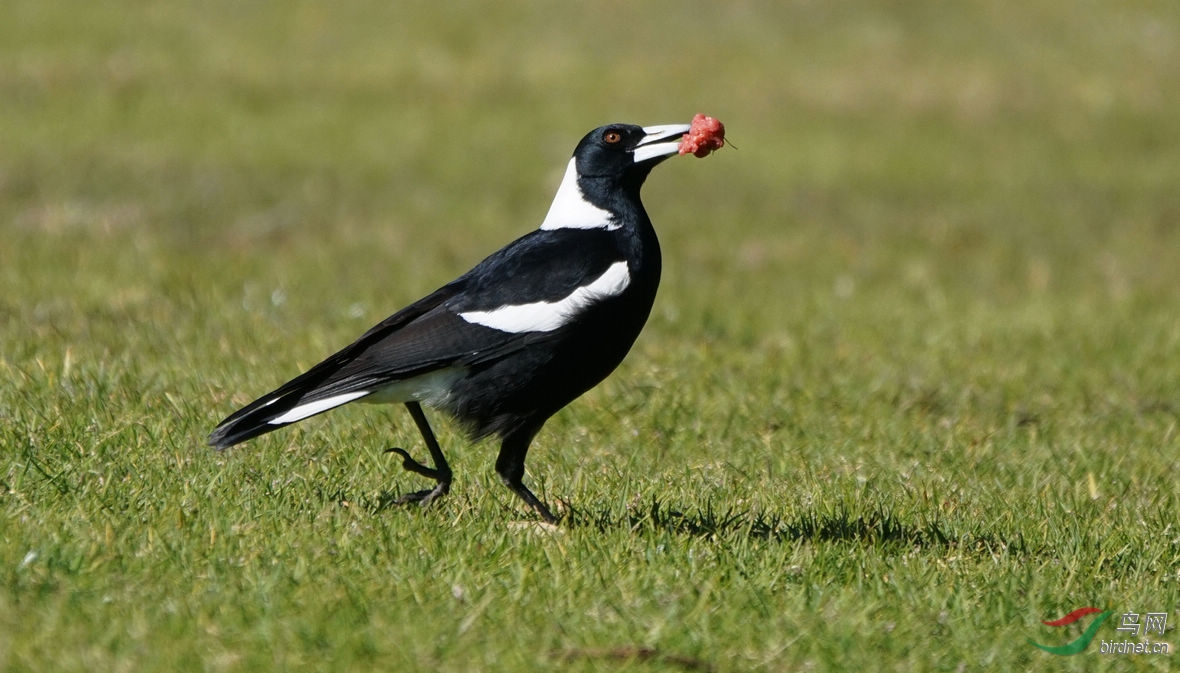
(312,408)
(546,316)
(571,210)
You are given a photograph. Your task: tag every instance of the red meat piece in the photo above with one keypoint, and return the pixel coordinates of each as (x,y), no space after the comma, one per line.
(707,134)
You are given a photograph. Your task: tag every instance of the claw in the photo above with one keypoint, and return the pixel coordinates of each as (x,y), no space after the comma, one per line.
(411,465)
(425,496)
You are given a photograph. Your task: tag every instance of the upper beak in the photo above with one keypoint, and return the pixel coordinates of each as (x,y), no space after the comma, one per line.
(659,141)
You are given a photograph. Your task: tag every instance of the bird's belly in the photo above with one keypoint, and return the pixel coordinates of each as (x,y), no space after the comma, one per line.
(534,382)
(434,389)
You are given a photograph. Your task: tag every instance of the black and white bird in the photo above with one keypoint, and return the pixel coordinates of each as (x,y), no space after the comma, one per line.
(509,343)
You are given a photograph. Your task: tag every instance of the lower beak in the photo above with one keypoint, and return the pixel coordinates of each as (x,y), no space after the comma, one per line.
(659,141)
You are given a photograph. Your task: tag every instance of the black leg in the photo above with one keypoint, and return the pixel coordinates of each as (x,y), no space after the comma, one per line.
(510,467)
(441,472)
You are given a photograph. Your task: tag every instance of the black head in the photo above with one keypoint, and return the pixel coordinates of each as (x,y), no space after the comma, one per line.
(625,151)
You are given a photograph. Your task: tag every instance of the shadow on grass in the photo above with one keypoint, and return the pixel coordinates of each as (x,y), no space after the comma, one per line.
(874,527)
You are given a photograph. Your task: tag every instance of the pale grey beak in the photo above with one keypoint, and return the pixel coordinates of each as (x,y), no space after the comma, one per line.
(659,141)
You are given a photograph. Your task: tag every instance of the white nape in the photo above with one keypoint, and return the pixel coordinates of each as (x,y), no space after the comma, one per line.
(546,316)
(571,210)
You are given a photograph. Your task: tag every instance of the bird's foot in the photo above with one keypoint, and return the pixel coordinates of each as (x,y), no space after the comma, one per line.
(411,465)
(425,496)
(533,501)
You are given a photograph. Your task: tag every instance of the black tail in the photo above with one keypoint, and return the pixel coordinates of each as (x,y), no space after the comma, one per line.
(306,395)
(250,421)
(328,384)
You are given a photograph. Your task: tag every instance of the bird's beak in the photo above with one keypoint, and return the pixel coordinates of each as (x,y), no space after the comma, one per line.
(659,142)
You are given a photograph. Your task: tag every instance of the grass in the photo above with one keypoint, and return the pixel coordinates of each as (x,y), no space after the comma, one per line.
(909,389)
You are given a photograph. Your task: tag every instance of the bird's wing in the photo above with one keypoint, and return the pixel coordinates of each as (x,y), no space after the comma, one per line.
(433,333)
(537,270)
(542,266)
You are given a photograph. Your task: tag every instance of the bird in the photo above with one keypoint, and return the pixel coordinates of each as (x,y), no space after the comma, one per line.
(508,344)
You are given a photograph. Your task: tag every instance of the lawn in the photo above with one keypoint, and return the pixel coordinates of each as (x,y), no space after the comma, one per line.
(911,386)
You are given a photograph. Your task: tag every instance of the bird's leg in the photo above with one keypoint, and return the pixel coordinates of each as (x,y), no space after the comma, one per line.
(441,472)
(510,467)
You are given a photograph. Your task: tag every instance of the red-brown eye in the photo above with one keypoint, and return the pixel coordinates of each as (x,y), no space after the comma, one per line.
(612,137)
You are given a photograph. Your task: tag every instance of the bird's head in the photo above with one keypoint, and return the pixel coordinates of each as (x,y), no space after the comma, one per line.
(626,151)
(609,165)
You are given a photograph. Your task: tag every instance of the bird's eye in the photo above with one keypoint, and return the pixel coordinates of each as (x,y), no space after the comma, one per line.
(612,137)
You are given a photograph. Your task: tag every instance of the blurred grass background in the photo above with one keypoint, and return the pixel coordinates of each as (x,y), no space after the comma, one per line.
(910,386)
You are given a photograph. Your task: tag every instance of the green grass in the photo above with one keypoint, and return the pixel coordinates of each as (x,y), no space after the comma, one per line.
(911,386)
